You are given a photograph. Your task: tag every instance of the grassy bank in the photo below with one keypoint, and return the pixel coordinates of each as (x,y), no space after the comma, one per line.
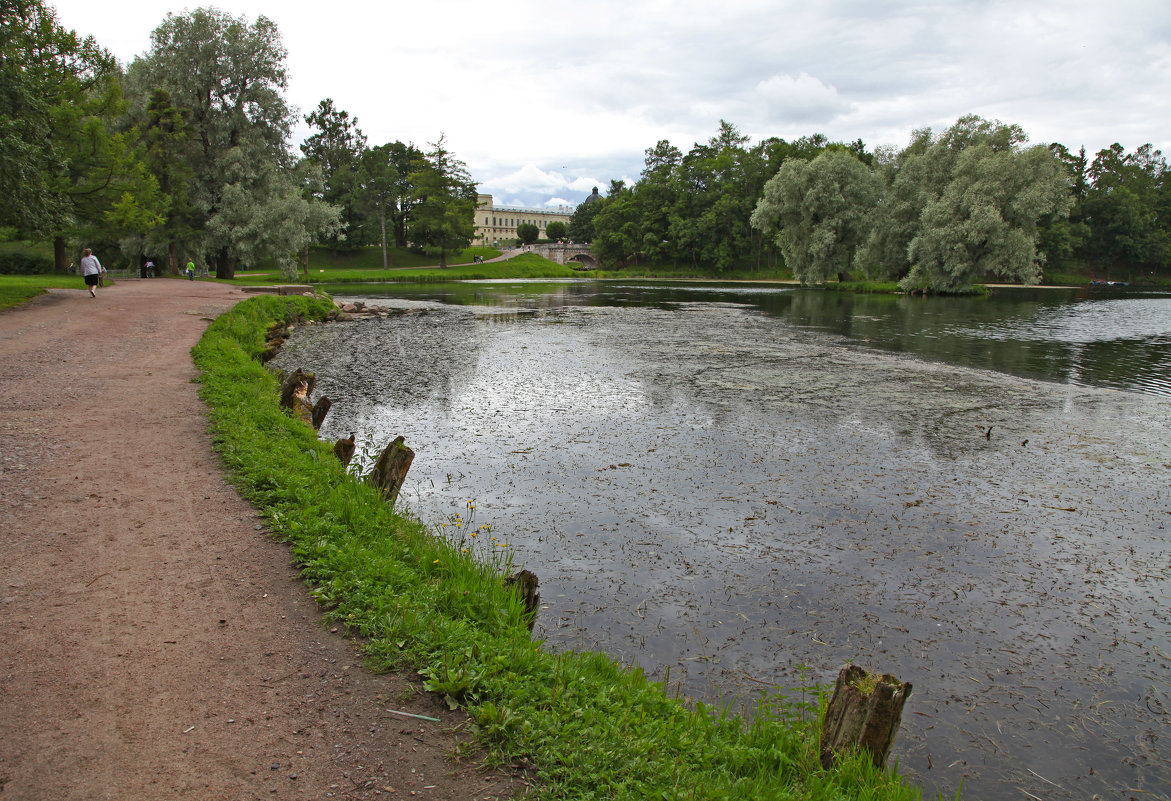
(433,600)
(17,289)
(526,265)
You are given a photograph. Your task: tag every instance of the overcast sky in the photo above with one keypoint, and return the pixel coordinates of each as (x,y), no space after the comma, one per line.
(544,99)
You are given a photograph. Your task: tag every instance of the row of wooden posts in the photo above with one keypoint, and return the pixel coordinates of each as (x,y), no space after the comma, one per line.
(864,712)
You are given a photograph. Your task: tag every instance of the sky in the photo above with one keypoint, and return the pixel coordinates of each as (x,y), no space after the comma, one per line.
(546,99)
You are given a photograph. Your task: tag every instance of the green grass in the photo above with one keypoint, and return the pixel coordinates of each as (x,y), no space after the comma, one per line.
(431,599)
(526,265)
(18,289)
(683,272)
(359,264)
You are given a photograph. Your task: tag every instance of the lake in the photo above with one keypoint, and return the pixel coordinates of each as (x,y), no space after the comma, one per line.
(750,485)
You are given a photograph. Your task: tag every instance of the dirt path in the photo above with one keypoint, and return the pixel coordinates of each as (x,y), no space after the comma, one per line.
(155,643)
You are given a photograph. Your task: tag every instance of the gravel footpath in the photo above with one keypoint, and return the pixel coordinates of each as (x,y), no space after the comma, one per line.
(156,642)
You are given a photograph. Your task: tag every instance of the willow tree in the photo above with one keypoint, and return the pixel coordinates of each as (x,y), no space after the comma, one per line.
(985,221)
(819,211)
(227,76)
(963,205)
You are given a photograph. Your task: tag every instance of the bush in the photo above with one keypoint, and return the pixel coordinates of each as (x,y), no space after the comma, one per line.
(25,264)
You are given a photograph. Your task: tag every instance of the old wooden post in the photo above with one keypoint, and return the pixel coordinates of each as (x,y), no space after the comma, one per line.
(525,582)
(391,469)
(319,411)
(297,384)
(343,449)
(864,713)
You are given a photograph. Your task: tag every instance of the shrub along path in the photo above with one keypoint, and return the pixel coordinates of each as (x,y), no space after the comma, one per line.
(156,643)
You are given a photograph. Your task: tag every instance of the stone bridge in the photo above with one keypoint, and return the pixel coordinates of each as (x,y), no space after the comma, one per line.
(564,253)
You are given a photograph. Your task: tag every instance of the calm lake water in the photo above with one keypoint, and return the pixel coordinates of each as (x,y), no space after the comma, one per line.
(753,485)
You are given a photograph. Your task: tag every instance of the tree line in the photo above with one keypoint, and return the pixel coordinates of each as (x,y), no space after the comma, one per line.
(187,151)
(970,203)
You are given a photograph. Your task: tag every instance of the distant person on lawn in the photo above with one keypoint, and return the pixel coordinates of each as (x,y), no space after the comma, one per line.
(92,269)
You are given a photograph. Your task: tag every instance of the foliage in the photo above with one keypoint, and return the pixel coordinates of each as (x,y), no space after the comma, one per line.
(556,230)
(985,222)
(444,199)
(593,728)
(383,191)
(226,77)
(527,233)
(18,263)
(66,172)
(819,211)
(581,223)
(336,147)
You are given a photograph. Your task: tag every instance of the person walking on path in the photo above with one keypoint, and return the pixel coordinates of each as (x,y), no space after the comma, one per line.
(190,270)
(92,269)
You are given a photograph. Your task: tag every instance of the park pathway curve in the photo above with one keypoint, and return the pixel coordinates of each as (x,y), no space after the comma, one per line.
(155,643)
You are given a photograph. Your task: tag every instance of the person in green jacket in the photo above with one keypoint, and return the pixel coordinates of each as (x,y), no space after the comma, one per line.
(190,270)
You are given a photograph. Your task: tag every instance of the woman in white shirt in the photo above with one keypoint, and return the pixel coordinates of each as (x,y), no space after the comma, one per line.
(92,269)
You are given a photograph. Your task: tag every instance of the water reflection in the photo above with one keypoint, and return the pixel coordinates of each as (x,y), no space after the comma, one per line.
(720,482)
(1081,336)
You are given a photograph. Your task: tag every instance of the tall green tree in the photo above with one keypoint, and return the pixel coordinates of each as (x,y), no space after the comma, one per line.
(43,69)
(336,147)
(581,222)
(1122,209)
(227,76)
(380,188)
(443,203)
(556,230)
(985,222)
(820,212)
(962,204)
(166,141)
(66,171)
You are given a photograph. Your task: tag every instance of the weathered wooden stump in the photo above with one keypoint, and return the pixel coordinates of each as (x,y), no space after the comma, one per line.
(525,582)
(297,384)
(319,411)
(864,713)
(391,469)
(274,338)
(343,449)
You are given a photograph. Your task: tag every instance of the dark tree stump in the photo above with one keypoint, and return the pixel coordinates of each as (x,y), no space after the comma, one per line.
(343,449)
(525,582)
(864,713)
(297,384)
(391,469)
(319,411)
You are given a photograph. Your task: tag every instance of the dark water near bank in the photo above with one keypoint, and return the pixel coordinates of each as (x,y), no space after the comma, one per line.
(734,485)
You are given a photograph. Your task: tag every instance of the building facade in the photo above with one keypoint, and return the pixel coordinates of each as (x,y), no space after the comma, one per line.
(496,225)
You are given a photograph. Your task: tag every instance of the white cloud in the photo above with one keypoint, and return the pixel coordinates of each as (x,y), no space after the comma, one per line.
(546,100)
(803,98)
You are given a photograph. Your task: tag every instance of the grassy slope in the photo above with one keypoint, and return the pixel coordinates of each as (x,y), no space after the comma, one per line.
(16,289)
(593,728)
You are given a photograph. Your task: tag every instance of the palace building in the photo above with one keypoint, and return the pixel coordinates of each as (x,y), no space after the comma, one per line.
(497,224)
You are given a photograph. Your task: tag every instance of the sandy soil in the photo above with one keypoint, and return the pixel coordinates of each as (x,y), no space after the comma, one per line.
(156,643)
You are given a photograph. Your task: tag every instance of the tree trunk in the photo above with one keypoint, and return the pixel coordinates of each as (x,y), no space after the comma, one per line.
(172,259)
(864,713)
(59,263)
(224,266)
(391,469)
(385,263)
